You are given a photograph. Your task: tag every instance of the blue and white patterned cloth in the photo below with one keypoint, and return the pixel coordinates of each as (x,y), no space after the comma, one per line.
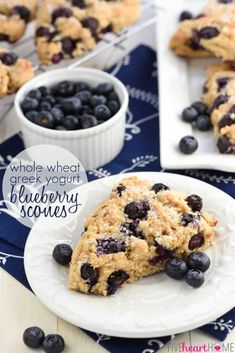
(138,72)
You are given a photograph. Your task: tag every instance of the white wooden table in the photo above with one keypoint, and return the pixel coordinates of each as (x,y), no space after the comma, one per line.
(19,309)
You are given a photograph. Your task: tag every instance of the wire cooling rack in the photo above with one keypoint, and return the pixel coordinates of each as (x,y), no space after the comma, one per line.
(108,52)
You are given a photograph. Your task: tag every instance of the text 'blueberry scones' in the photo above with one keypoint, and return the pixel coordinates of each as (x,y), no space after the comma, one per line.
(14,16)
(14,72)
(67,29)
(134,232)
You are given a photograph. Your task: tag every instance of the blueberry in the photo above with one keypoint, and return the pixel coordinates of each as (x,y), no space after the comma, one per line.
(194,202)
(137,209)
(194,43)
(22,11)
(86,109)
(45,119)
(159,187)
(219,100)
(62,254)
(113,106)
(199,261)
(110,246)
(97,100)
(188,144)
(79,3)
(226,120)
(57,114)
(196,241)
(71,122)
(225,1)
(189,114)
(194,278)
(81,86)
(61,12)
(89,274)
(162,255)
(186,218)
(120,189)
(104,88)
(33,337)
(208,32)
(200,107)
(88,121)
(102,112)
(53,344)
(222,82)
(8,58)
(84,96)
(68,45)
(131,229)
(176,268)
(29,104)
(60,128)
(50,99)
(35,93)
(185,15)
(224,145)
(42,32)
(203,123)
(65,88)
(91,23)
(45,106)
(115,280)
(71,105)
(45,91)
(4,37)
(56,58)
(31,115)
(112,96)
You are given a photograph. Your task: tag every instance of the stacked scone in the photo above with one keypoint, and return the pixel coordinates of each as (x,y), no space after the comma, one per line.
(134,233)
(212,33)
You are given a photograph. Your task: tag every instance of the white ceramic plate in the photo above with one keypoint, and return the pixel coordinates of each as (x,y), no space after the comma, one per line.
(154,306)
(180,83)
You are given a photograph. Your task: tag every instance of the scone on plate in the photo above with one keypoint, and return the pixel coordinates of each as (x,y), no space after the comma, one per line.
(14,16)
(14,72)
(134,232)
(67,29)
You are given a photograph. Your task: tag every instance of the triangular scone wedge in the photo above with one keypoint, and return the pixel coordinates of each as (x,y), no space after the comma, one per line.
(134,232)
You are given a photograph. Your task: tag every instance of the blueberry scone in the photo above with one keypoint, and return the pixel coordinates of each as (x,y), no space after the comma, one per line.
(67,29)
(14,16)
(134,232)
(14,72)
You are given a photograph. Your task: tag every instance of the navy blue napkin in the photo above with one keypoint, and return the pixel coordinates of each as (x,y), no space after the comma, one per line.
(140,153)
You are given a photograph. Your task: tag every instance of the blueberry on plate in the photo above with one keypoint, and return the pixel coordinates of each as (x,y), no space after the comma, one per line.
(97,100)
(71,105)
(199,261)
(33,337)
(104,88)
(113,106)
(176,268)
(200,107)
(195,278)
(159,187)
(62,254)
(203,123)
(35,93)
(45,119)
(185,15)
(88,121)
(189,114)
(53,344)
(71,122)
(195,202)
(102,112)
(29,104)
(188,144)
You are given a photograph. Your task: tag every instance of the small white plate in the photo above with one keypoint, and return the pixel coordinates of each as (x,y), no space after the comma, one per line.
(154,306)
(180,84)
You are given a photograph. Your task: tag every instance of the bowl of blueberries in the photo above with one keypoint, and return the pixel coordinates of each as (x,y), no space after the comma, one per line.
(82,110)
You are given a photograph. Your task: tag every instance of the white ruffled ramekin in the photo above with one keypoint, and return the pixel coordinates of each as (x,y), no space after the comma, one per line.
(95,146)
